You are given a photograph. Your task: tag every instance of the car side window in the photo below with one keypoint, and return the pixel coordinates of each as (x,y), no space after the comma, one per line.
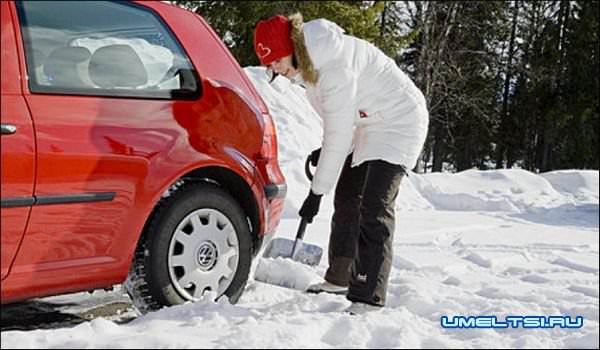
(103,48)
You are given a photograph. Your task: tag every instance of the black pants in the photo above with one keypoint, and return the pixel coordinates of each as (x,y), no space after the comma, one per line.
(362,229)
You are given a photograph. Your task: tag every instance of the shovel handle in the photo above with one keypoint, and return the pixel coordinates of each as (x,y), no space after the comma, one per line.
(309,175)
(299,236)
(301,229)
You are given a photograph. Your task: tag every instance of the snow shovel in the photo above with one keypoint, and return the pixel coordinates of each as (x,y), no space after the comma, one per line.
(297,250)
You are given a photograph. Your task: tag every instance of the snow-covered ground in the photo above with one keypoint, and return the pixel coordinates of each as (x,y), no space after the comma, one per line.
(475,243)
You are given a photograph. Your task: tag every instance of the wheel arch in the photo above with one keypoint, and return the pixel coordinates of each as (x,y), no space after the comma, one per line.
(229,181)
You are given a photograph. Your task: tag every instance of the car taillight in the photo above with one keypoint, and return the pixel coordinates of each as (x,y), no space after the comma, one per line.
(269,145)
(272,176)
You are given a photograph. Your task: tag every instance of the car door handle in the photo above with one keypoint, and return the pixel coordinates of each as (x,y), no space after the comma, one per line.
(8,129)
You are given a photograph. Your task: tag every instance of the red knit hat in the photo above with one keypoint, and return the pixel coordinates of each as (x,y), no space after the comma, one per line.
(272,39)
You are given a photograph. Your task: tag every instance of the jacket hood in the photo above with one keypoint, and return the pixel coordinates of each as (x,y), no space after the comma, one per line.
(315,43)
(324,41)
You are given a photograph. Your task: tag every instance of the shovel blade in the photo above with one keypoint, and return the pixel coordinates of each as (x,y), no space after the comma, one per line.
(308,254)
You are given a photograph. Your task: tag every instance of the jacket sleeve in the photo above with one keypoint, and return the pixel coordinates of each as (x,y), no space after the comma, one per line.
(337,102)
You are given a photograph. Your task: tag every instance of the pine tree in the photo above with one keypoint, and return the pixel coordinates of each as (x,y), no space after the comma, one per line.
(508,139)
(456,68)
(581,89)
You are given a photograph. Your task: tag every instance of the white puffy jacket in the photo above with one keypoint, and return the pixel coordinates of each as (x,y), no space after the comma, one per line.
(356,78)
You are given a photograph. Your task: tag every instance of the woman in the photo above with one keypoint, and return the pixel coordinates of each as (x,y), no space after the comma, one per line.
(375,122)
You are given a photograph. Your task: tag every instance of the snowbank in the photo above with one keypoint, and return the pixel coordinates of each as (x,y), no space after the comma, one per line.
(581,184)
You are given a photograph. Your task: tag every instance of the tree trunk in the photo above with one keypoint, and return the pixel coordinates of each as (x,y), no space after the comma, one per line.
(439,147)
(507,126)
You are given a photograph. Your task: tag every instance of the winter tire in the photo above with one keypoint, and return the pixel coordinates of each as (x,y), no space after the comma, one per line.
(197,242)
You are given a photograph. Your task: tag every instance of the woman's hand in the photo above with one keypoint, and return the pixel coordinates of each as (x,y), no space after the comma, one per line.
(310,207)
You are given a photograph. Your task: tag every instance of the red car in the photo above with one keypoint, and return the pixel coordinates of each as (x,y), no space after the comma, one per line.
(135,151)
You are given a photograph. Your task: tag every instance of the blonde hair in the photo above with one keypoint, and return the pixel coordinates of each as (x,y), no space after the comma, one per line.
(307,69)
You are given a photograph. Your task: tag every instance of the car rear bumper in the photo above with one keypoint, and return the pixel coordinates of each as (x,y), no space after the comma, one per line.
(275,191)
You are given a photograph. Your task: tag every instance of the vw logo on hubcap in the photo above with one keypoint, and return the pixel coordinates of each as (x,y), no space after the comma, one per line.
(207,255)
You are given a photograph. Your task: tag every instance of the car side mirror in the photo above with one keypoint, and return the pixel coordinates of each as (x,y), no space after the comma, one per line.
(189,82)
